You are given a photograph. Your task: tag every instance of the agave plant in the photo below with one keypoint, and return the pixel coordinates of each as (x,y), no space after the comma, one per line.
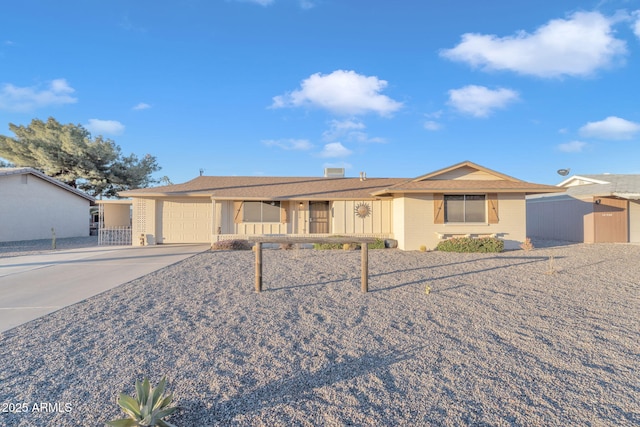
(148,408)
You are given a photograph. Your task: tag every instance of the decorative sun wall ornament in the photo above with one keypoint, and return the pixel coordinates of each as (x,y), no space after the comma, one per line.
(363,210)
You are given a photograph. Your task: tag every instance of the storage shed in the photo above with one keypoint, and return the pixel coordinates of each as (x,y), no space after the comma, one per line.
(595,209)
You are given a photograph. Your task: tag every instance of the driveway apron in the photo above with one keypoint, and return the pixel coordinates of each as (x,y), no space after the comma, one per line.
(32,286)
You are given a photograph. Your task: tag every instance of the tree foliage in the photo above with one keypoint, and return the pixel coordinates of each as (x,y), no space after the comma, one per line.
(70,154)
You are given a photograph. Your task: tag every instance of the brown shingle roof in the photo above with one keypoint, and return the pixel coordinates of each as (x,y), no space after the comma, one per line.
(271,188)
(314,188)
(463,185)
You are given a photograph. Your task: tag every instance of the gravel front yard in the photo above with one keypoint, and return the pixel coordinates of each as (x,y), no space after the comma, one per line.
(513,339)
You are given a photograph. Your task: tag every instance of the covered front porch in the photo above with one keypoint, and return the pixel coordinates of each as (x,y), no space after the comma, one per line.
(302,218)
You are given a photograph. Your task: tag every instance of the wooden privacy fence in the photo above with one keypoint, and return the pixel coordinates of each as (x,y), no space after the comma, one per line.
(364,281)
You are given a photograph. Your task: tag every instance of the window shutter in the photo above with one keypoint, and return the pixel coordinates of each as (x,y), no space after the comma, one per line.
(237,212)
(438,208)
(283,212)
(492,200)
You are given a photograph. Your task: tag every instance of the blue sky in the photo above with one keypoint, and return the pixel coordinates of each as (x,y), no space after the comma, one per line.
(288,87)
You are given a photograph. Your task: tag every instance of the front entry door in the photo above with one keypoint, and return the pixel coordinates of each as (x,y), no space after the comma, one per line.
(319,217)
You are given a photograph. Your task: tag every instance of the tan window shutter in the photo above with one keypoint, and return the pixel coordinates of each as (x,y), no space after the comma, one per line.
(438,208)
(492,200)
(237,212)
(283,212)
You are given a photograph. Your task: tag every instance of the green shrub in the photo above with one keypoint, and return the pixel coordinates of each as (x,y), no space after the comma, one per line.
(379,244)
(327,246)
(470,244)
(148,408)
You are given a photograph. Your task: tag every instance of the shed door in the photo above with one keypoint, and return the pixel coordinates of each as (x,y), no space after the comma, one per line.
(611,220)
(186,221)
(318,217)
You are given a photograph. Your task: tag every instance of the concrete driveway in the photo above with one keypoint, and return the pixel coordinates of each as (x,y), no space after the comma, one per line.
(34,285)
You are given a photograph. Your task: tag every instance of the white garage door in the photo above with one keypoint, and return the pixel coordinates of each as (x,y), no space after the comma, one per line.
(186,221)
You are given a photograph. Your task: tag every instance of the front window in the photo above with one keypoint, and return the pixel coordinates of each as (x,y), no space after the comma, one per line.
(261,212)
(464,208)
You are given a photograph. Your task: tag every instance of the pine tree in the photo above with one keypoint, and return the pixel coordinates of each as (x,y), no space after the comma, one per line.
(70,154)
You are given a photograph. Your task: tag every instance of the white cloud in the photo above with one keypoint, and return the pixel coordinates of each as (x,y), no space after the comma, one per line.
(347,125)
(341,92)
(432,125)
(307,4)
(572,147)
(108,127)
(260,2)
(24,99)
(576,46)
(341,128)
(304,4)
(335,149)
(142,106)
(349,130)
(480,101)
(610,128)
(636,24)
(289,144)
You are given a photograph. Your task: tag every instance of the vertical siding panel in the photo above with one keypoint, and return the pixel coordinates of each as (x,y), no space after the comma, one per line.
(348,217)
(339,225)
(377,217)
(561,218)
(634,221)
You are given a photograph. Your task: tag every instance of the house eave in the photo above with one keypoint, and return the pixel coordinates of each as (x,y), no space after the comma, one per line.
(527,191)
(628,196)
(246,198)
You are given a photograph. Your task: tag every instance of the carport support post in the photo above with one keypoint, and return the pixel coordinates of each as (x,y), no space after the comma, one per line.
(364,282)
(258,249)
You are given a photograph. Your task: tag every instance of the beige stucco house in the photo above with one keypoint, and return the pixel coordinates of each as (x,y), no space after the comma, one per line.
(594,209)
(463,199)
(32,203)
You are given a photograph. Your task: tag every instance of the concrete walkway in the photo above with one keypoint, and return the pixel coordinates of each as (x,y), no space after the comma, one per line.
(34,285)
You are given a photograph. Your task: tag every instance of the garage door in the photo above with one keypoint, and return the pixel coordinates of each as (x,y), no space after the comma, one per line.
(186,221)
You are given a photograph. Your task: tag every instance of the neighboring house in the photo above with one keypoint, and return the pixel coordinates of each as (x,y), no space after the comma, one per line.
(463,199)
(32,203)
(594,209)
